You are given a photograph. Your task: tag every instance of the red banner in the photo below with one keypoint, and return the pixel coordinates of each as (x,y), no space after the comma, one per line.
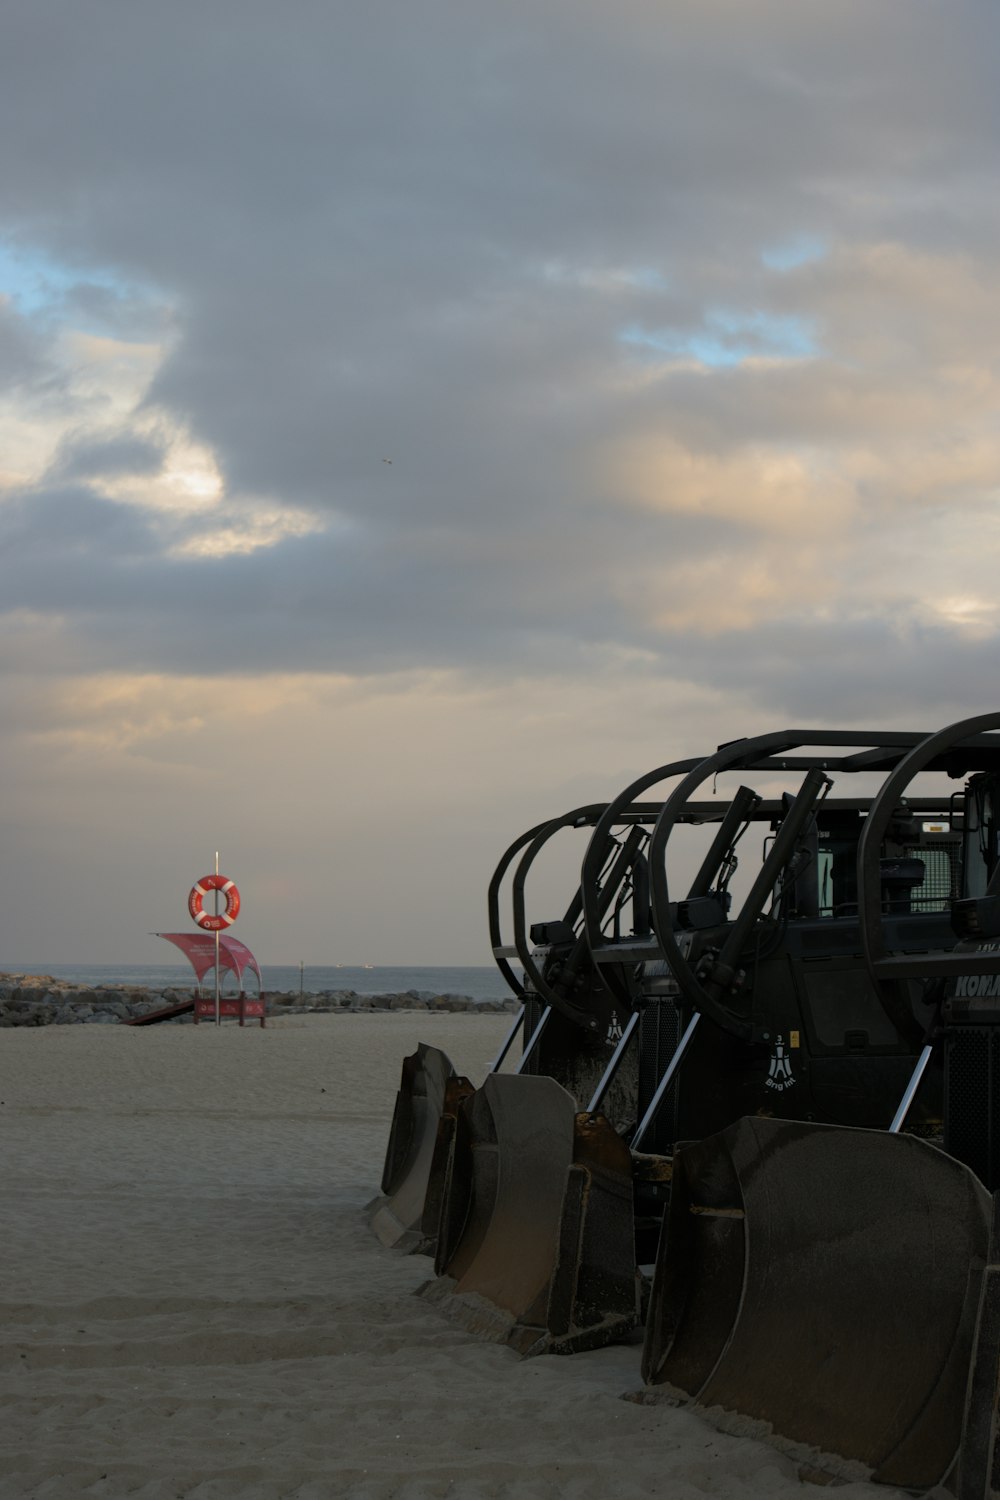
(199,948)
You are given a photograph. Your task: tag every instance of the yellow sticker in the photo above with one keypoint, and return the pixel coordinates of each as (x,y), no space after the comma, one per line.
(793,1039)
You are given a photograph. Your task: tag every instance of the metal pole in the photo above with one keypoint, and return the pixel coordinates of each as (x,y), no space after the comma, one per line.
(899,1117)
(218,1016)
(666,1080)
(612,1067)
(507,1041)
(302,971)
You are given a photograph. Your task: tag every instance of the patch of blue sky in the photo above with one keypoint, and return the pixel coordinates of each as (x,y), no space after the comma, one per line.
(38,283)
(34,280)
(799,250)
(727,338)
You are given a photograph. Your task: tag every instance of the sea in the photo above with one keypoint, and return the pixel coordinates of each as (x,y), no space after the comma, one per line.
(481,983)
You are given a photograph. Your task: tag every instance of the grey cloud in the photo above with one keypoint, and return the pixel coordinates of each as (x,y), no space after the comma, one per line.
(868,671)
(472,130)
(395,231)
(125,453)
(48,534)
(21,353)
(131,312)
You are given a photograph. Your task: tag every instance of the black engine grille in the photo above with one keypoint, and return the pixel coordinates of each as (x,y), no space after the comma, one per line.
(659,1033)
(971,1100)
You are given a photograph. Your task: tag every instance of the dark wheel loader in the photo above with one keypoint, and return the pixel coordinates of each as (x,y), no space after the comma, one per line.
(672,1075)
(841,1287)
(569,1013)
(765,1052)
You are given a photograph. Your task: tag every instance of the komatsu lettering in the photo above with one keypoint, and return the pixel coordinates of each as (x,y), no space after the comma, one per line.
(985,986)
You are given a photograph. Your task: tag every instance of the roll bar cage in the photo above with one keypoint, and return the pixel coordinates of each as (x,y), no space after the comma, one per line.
(611,860)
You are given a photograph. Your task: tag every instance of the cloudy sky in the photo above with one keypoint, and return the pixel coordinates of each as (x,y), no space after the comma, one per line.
(419,417)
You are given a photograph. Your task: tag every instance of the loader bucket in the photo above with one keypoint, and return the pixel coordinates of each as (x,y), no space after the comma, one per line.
(456,1091)
(396,1215)
(826,1282)
(537,1245)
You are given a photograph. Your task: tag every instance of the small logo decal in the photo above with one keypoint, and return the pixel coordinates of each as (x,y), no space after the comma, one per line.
(779,1074)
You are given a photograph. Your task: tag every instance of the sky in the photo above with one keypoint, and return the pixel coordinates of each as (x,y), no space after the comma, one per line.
(419,418)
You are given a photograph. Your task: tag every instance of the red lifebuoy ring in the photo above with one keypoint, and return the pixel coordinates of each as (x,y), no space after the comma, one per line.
(201,889)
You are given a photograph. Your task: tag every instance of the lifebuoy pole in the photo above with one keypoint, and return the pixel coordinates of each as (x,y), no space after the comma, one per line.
(218,1017)
(229,892)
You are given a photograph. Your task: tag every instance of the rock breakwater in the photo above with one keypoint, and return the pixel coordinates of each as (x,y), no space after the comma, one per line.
(40,1000)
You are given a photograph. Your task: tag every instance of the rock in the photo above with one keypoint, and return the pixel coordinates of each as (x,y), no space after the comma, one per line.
(116,1008)
(39,1000)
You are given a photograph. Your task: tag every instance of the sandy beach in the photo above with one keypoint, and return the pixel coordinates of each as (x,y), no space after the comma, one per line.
(194,1307)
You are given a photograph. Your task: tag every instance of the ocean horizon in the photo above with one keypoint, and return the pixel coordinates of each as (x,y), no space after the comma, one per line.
(481,982)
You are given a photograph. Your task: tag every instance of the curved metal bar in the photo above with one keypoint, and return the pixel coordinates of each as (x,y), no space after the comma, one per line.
(600,843)
(884,970)
(771,752)
(493,906)
(535,837)
(579,817)
(630,851)
(528,846)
